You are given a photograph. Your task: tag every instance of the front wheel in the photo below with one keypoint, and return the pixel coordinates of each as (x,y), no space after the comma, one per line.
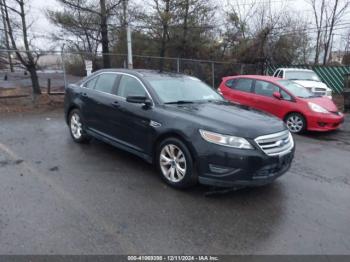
(175,163)
(296,123)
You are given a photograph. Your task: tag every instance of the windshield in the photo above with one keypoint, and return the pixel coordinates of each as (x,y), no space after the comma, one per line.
(302,75)
(295,89)
(173,89)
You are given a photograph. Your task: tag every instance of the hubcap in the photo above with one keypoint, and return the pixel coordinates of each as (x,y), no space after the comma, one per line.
(295,124)
(76,126)
(172,163)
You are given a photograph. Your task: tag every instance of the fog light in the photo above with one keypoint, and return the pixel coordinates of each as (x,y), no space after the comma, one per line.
(322,124)
(222,170)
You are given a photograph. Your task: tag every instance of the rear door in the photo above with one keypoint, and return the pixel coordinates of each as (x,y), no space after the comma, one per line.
(241,91)
(86,94)
(102,108)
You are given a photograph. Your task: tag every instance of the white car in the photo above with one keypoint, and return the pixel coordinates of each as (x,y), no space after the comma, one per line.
(306,78)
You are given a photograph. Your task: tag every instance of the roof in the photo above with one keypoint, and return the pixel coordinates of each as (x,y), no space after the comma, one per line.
(140,72)
(257,77)
(294,69)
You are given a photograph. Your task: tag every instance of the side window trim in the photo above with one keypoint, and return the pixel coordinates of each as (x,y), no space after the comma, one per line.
(116,87)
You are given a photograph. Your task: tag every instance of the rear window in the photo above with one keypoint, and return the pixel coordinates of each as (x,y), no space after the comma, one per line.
(231,83)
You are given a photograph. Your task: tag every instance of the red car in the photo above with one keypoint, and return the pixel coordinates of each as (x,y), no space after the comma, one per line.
(298,107)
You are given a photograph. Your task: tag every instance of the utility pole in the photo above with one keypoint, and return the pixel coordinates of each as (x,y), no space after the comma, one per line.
(2,3)
(128,33)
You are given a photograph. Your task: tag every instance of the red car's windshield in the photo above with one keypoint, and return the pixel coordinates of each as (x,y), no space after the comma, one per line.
(295,89)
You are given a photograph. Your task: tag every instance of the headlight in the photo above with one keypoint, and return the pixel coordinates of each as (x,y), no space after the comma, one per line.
(316,108)
(225,140)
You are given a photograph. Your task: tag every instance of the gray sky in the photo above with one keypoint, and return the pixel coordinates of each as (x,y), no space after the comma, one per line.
(41,25)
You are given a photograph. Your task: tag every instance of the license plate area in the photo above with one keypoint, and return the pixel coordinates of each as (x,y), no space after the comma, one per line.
(284,160)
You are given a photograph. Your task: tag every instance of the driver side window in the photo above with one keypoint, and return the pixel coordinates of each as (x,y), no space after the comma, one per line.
(130,86)
(265,88)
(280,74)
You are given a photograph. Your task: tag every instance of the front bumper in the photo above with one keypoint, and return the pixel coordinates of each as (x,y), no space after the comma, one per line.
(229,167)
(324,122)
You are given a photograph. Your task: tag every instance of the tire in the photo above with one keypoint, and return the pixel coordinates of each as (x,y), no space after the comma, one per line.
(175,164)
(76,127)
(296,123)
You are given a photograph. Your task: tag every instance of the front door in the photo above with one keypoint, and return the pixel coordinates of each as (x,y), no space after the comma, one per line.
(136,131)
(265,100)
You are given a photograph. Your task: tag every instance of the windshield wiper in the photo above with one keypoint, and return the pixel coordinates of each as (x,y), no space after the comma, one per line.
(179,102)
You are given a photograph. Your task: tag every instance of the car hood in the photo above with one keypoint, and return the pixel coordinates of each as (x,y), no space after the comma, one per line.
(325,102)
(310,83)
(231,119)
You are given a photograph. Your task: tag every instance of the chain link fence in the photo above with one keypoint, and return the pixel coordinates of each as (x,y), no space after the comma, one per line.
(55,69)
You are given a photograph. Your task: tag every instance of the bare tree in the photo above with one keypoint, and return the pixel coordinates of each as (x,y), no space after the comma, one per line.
(104,10)
(194,18)
(79,29)
(319,9)
(15,16)
(5,31)
(327,15)
(163,16)
(334,16)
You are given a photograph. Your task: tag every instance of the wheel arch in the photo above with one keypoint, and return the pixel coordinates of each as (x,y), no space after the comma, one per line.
(70,108)
(295,112)
(172,134)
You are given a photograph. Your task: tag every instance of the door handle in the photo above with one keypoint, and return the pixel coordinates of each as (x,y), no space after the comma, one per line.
(116,104)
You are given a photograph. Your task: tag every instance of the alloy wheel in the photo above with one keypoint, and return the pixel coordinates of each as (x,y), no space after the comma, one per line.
(295,123)
(76,126)
(172,163)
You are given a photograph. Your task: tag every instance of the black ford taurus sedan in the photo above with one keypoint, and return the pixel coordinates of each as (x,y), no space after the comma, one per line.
(181,125)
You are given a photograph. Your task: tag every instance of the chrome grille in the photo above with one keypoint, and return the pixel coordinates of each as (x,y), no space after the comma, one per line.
(319,91)
(276,144)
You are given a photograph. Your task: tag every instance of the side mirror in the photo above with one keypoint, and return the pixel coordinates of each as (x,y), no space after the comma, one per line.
(139,100)
(277,95)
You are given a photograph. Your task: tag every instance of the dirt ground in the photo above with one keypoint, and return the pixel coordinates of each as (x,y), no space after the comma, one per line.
(26,104)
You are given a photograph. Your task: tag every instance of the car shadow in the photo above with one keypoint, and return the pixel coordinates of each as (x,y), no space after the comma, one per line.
(252,214)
